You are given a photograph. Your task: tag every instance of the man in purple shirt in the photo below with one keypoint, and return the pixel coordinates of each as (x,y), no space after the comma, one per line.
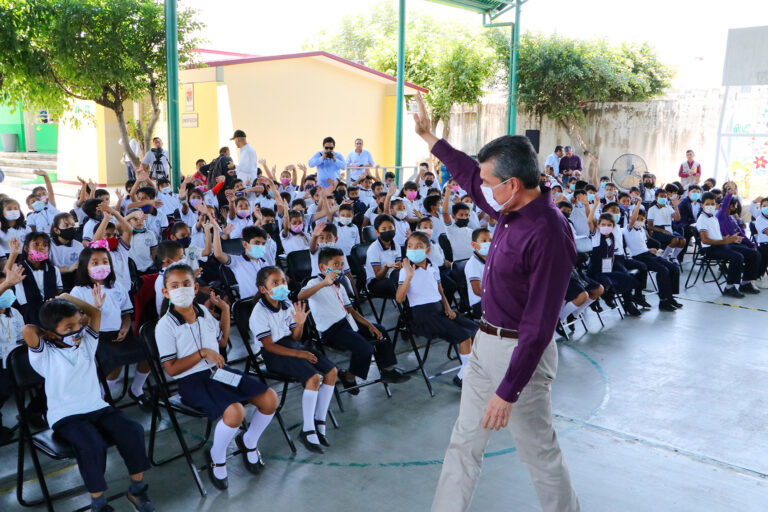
(514,357)
(569,163)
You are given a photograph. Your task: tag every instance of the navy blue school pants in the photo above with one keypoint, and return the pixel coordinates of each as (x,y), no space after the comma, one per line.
(743,262)
(341,335)
(90,433)
(667,273)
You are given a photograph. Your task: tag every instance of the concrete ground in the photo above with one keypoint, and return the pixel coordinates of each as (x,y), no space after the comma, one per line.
(662,413)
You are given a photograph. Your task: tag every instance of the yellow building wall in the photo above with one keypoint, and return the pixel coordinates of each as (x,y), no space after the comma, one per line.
(287,107)
(203,141)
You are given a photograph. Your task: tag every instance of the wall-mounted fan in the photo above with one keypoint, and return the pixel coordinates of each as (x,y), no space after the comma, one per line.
(627,171)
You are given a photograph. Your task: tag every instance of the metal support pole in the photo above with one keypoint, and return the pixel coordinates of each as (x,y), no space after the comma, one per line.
(512,99)
(172,70)
(400,90)
(720,133)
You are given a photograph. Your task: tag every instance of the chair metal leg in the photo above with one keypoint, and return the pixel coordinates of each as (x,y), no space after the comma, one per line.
(285,431)
(420,362)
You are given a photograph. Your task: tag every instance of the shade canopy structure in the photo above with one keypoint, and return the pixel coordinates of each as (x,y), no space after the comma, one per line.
(490,9)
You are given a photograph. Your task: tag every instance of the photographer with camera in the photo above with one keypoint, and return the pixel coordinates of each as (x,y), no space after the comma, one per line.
(156,161)
(329,163)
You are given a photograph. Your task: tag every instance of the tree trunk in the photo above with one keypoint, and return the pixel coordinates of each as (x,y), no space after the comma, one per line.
(120,114)
(591,160)
(446,127)
(148,134)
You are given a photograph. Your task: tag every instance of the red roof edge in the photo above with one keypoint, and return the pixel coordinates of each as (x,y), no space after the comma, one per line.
(220,52)
(318,53)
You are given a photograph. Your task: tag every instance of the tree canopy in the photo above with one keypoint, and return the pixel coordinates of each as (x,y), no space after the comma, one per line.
(54,51)
(454,63)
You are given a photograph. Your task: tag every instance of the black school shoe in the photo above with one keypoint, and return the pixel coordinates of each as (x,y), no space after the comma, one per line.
(321,437)
(348,383)
(558,329)
(596,307)
(749,288)
(219,483)
(666,305)
(140,501)
(675,303)
(639,299)
(457,381)
(144,401)
(394,376)
(309,445)
(733,292)
(630,309)
(251,467)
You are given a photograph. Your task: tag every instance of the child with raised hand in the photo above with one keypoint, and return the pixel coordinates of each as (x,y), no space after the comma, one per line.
(277,327)
(63,351)
(293,236)
(42,203)
(240,215)
(419,282)
(188,341)
(42,280)
(95,268)
(11,324)
(12,225)
(246,267)
(106,235)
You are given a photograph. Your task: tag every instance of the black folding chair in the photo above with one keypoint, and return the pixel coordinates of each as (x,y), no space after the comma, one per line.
(229,282)
(299,268)
(233,246)
(369,234)
(705,264)
(27,382)
(458,275)
(357,259)
(445,245)
(163,395)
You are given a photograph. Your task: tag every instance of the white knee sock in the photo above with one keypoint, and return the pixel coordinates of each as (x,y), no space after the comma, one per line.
(666,252)
(568,308)
(114,387)
(251,437)
(676,251)
(463,358)
(308,404)
(222,436)
(581,308)
(138,382)
(324,397)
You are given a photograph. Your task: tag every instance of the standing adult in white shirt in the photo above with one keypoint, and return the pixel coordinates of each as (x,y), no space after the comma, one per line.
(357,161)
(248,168)
(134,145)
(156,161)
(553,161)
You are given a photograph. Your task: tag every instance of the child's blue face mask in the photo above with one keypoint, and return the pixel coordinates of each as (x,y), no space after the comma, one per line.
(484,248)
(662,201)
(764,210)
(257,251)
(695,196)
(7,299)
(280,293)
(416,255)
(38,205)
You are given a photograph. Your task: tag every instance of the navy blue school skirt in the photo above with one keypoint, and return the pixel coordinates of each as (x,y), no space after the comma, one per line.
(294,367)
(201,392)
(432,323)
(664,238)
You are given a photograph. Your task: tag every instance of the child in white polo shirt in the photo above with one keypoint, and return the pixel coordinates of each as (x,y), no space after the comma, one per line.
(382,257)
(457,228)
(293,236)
(188,341)
(143,242)
(63,351)
(473,271)
(348,233)
(420,284)
(65,250)
(278,327)
(245,267)
(341,325)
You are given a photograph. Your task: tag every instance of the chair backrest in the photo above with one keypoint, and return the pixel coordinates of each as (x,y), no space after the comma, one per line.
(24,377)
(133,270)
(369,234)
(299,266)
(753,230)
(233,246)
(143,294)
(241,313)
(230,282)
(357,257)
(445,245)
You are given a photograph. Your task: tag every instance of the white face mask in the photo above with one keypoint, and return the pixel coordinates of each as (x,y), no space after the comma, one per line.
(182,297)
(488,195)
(323,245)
(345,221)
(400,214)
(709,209)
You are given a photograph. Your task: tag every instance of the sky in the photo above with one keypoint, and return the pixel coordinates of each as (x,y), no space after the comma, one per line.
(689,35)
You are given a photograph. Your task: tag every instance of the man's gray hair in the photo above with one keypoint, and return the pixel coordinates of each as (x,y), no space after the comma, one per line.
(514,157)
(568,148)
(358,139)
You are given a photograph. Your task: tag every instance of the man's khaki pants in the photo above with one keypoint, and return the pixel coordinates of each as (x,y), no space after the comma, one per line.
(530,425)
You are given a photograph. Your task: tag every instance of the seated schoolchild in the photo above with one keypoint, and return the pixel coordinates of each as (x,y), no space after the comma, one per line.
(42,280)
(293,236)
(245,267)
(341,325)
(11,324)
(143,246)
(457,228)
(667,273)
(277,329)
(382,257)
(437,257)
(106,235)
(660,216)
(188,341)
(348,233)
(473,271)
(65,250)
(63,351)
(419,282)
